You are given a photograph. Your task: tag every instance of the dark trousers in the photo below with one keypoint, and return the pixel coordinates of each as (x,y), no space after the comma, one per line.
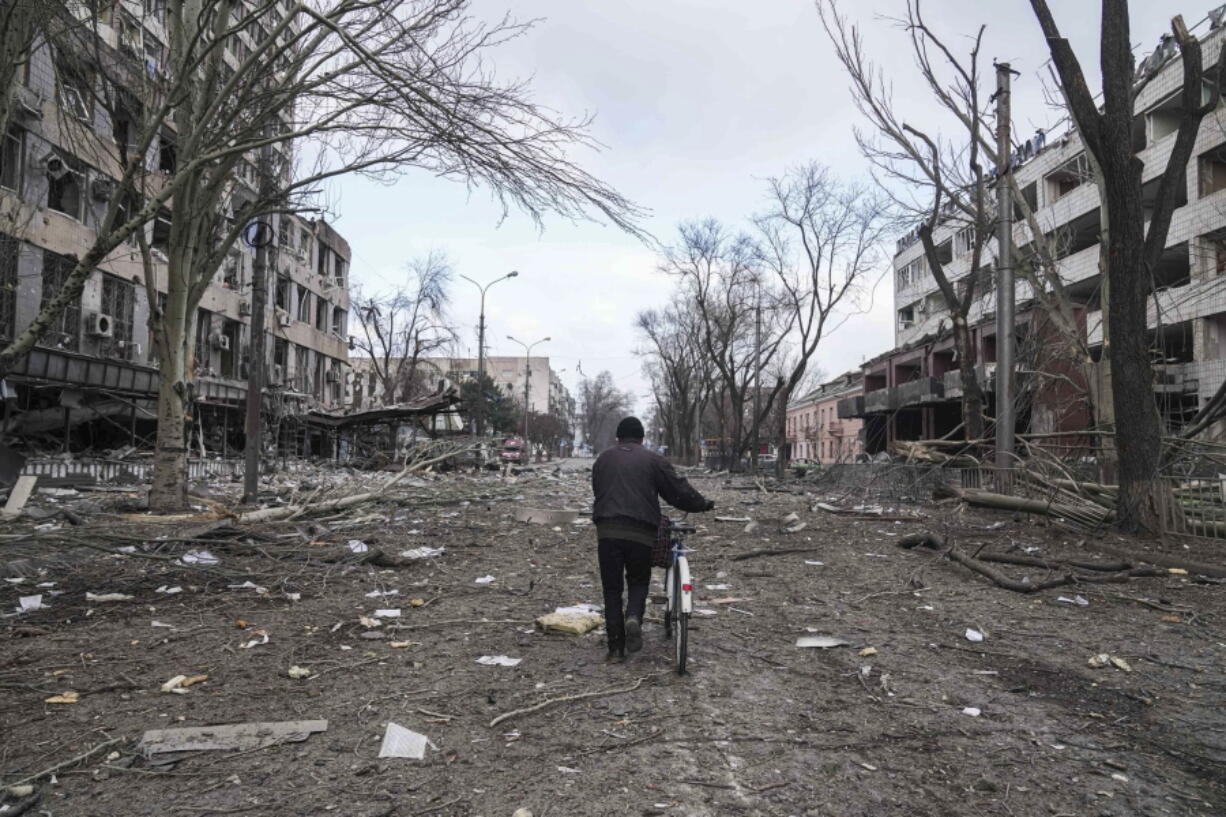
(618,556)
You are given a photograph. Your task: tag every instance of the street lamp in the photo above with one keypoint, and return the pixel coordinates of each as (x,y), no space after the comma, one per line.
(527,378)
(481,347)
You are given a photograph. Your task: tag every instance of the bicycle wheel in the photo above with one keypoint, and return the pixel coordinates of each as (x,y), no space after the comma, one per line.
(669,606)
(680,622)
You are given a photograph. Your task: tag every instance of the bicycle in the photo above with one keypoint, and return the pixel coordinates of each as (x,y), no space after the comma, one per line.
(678,593)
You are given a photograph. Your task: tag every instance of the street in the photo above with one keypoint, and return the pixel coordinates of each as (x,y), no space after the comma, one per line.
(910,717)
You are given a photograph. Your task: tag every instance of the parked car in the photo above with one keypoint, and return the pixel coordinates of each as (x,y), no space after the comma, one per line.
(512,450)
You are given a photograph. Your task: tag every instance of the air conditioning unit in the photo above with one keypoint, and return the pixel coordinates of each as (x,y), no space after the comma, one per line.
(220,341)
(102,189)
(244,308)
(905,324)
(100,325)
(283,319)
(29,103)
(54,165)
(331,376)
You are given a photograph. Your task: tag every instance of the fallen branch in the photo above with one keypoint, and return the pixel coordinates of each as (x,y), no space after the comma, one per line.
(551,701)
(753,554)
(72,761)
(288,511)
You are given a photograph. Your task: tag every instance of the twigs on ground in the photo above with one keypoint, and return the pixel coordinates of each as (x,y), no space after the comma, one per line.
(514,713)
(72,761)
(753,554)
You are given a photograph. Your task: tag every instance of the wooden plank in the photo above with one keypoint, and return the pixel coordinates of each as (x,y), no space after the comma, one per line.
(238,736)
(18,497)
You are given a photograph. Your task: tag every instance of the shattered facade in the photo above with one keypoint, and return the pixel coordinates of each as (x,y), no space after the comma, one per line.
(92,381)
(914,391)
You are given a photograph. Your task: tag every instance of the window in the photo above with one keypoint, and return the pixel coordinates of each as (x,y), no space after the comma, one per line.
(65,330)
(12,151)
(324,261)
(156,9)
(304,242)
(281,298)
(341,269)
(74,91)
(964,241)
(1068,177)
(1212,170)
(232,270)
(204,328)
(10,249)
(168,158)
(119,301)
(66,187)
(302,369)
(304,304)
(322,311)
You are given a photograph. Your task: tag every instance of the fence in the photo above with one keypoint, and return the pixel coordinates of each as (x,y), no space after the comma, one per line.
(1193,506)
(104,470)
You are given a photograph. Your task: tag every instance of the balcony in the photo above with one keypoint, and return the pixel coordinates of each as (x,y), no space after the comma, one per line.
(881,400)
(850,407)
(834,428)
(920,392)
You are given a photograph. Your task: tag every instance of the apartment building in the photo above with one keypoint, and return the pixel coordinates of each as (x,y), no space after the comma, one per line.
(815,431)
(94,376)
(913,391)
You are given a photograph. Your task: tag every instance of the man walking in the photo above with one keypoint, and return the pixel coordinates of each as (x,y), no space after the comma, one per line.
(628,481)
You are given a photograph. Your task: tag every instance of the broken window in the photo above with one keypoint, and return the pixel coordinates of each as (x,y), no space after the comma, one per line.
(1068,177)
(341,268)
(74,90)
(1212,166)
(66,187)
(324,261)
(304,304)
(11,153)
(168,158)
(10,249)
(338,321)
(280,355)
(906,317)
(322,310)
(1030,194)
(281,297)
(119,301)
(160,240)
(232,270)
(302,369)
(964,241)
(204,328)
(65,330)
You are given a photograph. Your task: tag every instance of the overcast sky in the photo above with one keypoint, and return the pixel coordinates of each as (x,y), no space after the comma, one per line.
(697,102)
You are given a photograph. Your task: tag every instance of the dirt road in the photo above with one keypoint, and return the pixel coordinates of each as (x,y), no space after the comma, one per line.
(884,726)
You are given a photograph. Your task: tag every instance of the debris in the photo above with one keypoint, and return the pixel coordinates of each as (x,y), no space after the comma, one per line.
(399,645)
(374,594)
(579,608)
(539,516)
(156,623)
(357,546)
(401,742)
(17,792)
(789,519)
(751,527)
(732,519)
(262,638)
(169,591)
(103,597)
(180,683)
(368,622)
(1104,659)
(974,635)
(521,812)
(498,661)
(822,642)
(28,604)
(1080,601)
(815,563)
(486,580)
(729,600)
(297,673)
(18,496)
(422,553)
(69,697)
(796,527)
(576,622)
(1177,571)
(718,587)
(973,711)
(241,736)
(417,602)
(393,612)
(249,585)
(568,770)
(867,651)
(200,557)
(551,701)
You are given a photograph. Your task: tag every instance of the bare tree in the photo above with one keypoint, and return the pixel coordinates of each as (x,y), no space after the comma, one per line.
(679,373)
(740,325)
(359,87)
(822,242)
(1132,251)
(601,407)
(397,330)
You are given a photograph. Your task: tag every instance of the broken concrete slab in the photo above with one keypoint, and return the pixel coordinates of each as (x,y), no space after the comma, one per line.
(238,736)
(18,497)
(541,516)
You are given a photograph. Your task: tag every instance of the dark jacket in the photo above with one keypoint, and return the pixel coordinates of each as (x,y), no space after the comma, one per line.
(627,480)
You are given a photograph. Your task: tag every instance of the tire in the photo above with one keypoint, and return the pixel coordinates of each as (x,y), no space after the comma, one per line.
(670,604)
(679,622)
(681,639)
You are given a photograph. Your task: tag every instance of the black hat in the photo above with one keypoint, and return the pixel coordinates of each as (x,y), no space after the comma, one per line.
(630,429)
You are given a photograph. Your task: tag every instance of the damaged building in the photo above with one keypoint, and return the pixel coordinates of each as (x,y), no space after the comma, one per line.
(914,390)
(91,383)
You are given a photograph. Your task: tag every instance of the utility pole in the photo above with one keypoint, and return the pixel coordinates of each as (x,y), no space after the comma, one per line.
(757,374)
(259,235)
(1004,283)
(527,377)
(479,409)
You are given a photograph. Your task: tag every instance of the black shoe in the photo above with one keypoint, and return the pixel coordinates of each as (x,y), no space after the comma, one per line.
(617,655)
(634,635)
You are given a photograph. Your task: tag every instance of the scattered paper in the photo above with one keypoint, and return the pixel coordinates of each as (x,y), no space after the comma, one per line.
(421,552)
(249,585)
(1105,660)
(973,711)
(718,587)
(498,661)
(1078,600)
(296,672)
(974,635)
(579,608)
(486,580)
(28,604)
(822,642)
(357,546)
(261,638)
(156,623)
(374,594)
(705,611)
(168,590)
(568,770)
(388,613)
(401,742)
(102,597)
(64,698)
(815,563)
(199,557)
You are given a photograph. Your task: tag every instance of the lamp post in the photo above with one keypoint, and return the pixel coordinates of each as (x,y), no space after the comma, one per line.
(480,412)
(527,379)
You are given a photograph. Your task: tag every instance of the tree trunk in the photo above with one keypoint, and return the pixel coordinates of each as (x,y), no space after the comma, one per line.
(176,361)
(972,390)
